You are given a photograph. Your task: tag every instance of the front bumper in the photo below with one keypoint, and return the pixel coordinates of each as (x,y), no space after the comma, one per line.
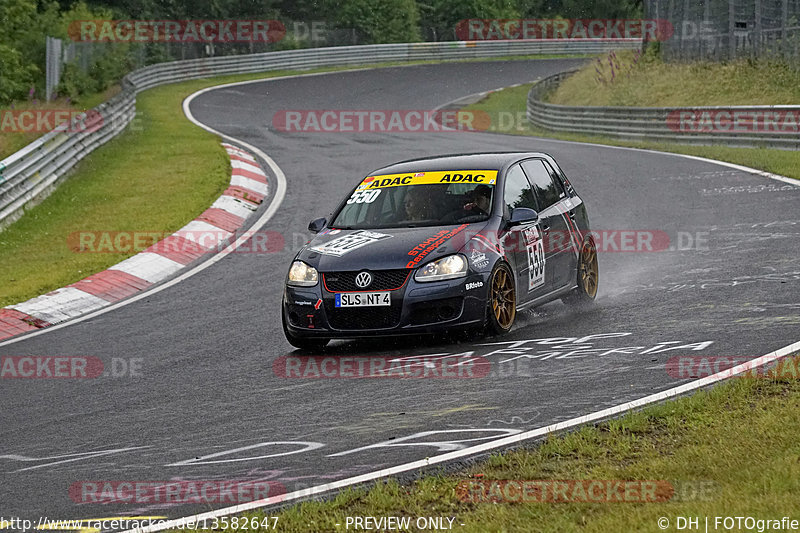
(415,308)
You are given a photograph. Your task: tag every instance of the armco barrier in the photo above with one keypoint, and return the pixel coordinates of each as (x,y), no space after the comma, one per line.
(711,124)
(30,174)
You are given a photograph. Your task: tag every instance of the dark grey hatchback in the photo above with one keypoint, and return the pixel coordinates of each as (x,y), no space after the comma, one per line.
(458,241)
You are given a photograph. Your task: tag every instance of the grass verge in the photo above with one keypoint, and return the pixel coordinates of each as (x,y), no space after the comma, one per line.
(626,79)
(511,102)
(728,451)
(12,138)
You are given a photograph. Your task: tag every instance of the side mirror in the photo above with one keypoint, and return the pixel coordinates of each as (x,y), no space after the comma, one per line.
(521,215)
(315,226)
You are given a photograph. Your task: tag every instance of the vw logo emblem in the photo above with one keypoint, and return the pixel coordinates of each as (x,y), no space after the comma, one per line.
(363,279)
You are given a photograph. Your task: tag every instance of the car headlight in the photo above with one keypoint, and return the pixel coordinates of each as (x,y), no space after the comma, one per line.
(302,275)
(452,266)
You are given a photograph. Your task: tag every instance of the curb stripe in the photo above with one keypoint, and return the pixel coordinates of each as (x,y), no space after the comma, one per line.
(111,285)
(221,219)
(13,322)
(206,235)
(245,194)
(209,232)
(247,183)
(249,167)
(178,248)
(234,206)
(60,305)
(240,157)
(255,176)
(233,149)
(148,266)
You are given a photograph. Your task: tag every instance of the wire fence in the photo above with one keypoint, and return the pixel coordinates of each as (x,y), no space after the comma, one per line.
(720,30)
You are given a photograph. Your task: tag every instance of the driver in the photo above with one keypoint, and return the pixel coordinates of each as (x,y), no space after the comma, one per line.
(417,203)
(479,201)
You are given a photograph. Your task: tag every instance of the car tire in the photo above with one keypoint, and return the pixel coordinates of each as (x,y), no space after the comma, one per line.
(309,344)
(587,276)
(501,305)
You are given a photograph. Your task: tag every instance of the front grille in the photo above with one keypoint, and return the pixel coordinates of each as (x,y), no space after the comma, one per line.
(363,317)
(382,280)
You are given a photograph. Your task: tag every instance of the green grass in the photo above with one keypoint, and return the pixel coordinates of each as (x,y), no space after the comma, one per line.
(728,451)
(11,141)
(651,83)
(511,102)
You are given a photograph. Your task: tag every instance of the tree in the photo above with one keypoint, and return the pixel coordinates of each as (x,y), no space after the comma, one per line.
(18,74)
(381,21)
(442,16)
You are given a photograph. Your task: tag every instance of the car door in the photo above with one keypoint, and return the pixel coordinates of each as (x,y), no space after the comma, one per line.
(558,237)
(524,242)
(568,204)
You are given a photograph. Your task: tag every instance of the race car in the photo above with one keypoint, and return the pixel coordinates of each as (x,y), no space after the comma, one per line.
(440,244)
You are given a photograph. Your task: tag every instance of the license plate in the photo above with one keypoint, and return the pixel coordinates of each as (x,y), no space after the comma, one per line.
(363,299)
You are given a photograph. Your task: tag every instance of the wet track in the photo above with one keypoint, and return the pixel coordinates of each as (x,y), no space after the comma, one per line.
(207,345)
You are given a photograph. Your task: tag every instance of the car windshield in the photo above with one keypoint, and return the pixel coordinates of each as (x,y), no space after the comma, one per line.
(419,199)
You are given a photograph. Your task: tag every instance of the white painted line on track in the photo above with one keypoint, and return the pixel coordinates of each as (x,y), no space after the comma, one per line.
(480,448)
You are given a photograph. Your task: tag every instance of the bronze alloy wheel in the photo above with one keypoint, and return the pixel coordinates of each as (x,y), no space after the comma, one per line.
(587,269)
(503,298)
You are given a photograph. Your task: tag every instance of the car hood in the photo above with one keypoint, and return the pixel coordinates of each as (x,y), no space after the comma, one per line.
(389,248)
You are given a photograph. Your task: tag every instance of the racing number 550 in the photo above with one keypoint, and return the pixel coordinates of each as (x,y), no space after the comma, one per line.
(364,197)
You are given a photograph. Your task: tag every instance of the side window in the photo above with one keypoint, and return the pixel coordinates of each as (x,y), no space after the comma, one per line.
(556,179)
(543,185)
(518,191)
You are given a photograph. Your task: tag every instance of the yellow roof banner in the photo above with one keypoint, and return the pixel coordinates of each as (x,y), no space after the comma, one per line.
(486,177)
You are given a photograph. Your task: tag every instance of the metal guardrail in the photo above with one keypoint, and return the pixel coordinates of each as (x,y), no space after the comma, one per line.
(698,125)
(30,174)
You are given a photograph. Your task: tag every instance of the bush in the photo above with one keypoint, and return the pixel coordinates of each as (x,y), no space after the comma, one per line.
(17,77)
(75,83)
(389,21)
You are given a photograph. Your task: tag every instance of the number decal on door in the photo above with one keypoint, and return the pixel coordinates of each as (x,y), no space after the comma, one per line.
(536,261)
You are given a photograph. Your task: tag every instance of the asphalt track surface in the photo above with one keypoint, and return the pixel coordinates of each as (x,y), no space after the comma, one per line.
(206,346)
